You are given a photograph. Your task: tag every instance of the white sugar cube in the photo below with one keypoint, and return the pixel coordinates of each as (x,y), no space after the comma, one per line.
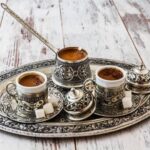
(54,100)
(39,113)
(13,104)
(128,94)
(127,102)
(93,93)
(48,108)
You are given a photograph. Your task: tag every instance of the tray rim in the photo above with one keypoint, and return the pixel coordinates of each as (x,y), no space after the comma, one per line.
(74,134)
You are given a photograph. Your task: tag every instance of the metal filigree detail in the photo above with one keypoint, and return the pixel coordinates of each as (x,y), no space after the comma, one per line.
(83,71)
(111,110)
(16,114)
(61,126)
(140,79)
(79,105)
(65,73)
(110,96)
(71,129)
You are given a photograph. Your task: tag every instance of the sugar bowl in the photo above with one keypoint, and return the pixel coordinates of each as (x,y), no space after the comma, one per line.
(138,80)
(79,104)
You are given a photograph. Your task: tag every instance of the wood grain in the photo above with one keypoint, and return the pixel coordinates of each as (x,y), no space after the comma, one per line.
(98,28)
(136,17)
(15,142)
(19,46)
(95,25)
(136,137)
(2,11)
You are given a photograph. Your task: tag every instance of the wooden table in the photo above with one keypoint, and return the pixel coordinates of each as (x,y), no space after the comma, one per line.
(112,29)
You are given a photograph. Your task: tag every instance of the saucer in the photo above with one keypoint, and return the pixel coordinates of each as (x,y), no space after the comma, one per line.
(106,110)
(7,108)
(139,90)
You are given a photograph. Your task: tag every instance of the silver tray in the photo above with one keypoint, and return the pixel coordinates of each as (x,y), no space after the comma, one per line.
(61,126)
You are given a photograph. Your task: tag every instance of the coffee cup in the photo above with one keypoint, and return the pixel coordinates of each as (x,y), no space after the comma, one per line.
(109,84)
(30,91)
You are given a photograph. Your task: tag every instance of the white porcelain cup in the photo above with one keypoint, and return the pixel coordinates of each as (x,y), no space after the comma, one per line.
(110,83)
(111,91)
(29,98)
(34,89)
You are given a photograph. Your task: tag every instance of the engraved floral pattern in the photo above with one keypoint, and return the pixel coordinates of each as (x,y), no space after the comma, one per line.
(16,114)
(72,73)
(138,78)
(78,106)
(65,73)
(93,126)
(83,72)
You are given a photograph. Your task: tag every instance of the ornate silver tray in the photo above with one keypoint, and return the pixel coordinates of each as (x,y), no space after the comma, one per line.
(61,126)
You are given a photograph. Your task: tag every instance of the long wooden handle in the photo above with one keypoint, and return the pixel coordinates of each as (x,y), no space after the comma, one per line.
(35,33)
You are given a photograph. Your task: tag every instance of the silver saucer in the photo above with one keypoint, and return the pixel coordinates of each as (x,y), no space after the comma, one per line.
(7,109)
(139,90)
(106,110)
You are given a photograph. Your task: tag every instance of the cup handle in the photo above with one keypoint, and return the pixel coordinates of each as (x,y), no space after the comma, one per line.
(89,85)
(9,89)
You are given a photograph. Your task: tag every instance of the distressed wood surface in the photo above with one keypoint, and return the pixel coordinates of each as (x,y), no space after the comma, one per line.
(96,26)
(22,47)
(135,15)
(2,12)
(97,30)
(100,27)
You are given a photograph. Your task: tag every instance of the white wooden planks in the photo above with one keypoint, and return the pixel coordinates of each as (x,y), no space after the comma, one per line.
(136,17)
(92,24)
(15,142)
(96,26)
(18,46)
(136,137)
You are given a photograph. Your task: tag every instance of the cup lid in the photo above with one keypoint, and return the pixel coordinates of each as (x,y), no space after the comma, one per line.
(74,95)
(139,76)
(77,101)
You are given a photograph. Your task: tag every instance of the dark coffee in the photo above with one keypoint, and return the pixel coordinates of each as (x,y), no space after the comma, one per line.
(72,54)
(110,74)
(31,80)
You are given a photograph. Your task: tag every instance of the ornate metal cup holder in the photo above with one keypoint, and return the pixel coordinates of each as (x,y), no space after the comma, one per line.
(60,125)
(106,110)
(6,108)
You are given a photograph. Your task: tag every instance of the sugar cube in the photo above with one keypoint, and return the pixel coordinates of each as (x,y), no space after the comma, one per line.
(13,104)
(48,108)
(39,113)
(54,100)
(127,102)
(128,94)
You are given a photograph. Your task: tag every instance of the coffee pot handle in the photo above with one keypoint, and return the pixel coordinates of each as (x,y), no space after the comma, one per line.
(11,89)
(89,85)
